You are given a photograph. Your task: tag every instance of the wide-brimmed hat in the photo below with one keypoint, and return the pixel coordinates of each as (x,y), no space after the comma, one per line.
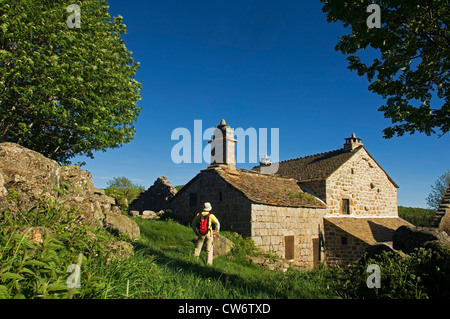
(207,207)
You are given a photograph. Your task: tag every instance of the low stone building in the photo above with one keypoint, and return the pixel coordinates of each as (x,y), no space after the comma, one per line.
(326,207)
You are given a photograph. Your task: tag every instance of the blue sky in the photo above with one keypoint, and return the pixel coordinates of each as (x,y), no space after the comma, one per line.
(256,64)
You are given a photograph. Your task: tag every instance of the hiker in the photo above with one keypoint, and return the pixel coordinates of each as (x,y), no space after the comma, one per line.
(202,226)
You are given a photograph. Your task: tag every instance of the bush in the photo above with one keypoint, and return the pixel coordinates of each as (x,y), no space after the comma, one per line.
(422,274)
(38,246)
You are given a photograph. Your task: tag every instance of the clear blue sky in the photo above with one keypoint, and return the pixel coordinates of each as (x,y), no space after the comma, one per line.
(261,64)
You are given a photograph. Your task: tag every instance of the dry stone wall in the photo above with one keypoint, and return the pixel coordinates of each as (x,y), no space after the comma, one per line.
(365,185)
(271,224)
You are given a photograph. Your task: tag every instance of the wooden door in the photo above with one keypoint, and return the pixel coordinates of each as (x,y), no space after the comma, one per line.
(316,252)
(289,247)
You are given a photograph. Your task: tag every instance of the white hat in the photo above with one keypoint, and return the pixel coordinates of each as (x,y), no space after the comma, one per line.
(207,207)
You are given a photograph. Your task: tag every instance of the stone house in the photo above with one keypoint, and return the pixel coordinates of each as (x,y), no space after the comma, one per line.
(327,207)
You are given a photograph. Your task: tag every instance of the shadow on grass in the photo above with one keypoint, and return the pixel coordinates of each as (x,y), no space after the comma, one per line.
(241,286)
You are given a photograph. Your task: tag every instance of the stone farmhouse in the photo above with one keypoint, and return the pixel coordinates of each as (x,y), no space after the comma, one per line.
(327,207)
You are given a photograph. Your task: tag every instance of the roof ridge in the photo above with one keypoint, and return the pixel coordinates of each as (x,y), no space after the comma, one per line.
(323,153)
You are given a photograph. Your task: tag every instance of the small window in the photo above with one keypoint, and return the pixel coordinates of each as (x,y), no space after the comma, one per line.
(192,199)
(220,196)
(345,206)
(344,240)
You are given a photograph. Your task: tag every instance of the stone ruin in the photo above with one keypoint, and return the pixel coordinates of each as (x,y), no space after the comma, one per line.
(152,203)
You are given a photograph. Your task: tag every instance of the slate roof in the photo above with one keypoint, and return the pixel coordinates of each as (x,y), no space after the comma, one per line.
(371,230)
(270,189)
(266,189)
(318,166)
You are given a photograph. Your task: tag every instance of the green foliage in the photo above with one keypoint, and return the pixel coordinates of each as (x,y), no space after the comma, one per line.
(438,190)
(422,274)
(179,187)
(37,246)
(419,217)
(123,190)
(65,92)
(411,67)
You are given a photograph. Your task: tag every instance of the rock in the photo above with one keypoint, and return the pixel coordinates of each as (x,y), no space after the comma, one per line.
(120,224)
(156,198)
(222,246)
(149,214)
(407,239)
(118,250)
(29,176)
(271,263)
(134,213)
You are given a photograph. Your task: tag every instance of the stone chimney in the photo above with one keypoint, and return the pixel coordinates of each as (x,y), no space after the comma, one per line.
(223,146)
(352,142)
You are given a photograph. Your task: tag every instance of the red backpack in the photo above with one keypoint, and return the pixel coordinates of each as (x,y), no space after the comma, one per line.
(203,224)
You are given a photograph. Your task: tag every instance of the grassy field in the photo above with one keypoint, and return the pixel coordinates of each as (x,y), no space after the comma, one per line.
(163,266)
(169,246)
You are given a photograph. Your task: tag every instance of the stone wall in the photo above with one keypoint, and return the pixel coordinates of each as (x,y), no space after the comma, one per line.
(365,184)
(341,248)
(271,224)
(155,198)
(230,206)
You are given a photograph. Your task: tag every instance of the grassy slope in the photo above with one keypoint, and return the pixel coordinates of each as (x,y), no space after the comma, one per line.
(169,247)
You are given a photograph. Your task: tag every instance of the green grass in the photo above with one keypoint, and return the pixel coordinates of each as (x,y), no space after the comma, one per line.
(171,246)
(163,266)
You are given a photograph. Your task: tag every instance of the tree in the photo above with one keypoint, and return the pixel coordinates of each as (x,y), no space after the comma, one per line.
(438,190)
(120,188)
(65,91)
(413,67)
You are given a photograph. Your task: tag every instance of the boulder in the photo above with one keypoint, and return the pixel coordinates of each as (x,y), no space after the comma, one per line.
(407,239)
(149,214)
(28,176)
(222,246)
(121,224)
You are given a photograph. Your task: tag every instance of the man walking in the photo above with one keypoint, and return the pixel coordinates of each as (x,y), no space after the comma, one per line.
(202,226)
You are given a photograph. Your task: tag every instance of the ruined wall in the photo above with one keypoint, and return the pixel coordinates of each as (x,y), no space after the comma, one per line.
(365,184)
(228,205)
(271,225)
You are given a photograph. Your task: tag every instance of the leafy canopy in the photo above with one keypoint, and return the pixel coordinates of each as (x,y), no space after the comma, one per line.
(65,91)
(122,188)
(412,70)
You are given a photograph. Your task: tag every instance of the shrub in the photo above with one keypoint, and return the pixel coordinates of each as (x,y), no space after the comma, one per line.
(422,274)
